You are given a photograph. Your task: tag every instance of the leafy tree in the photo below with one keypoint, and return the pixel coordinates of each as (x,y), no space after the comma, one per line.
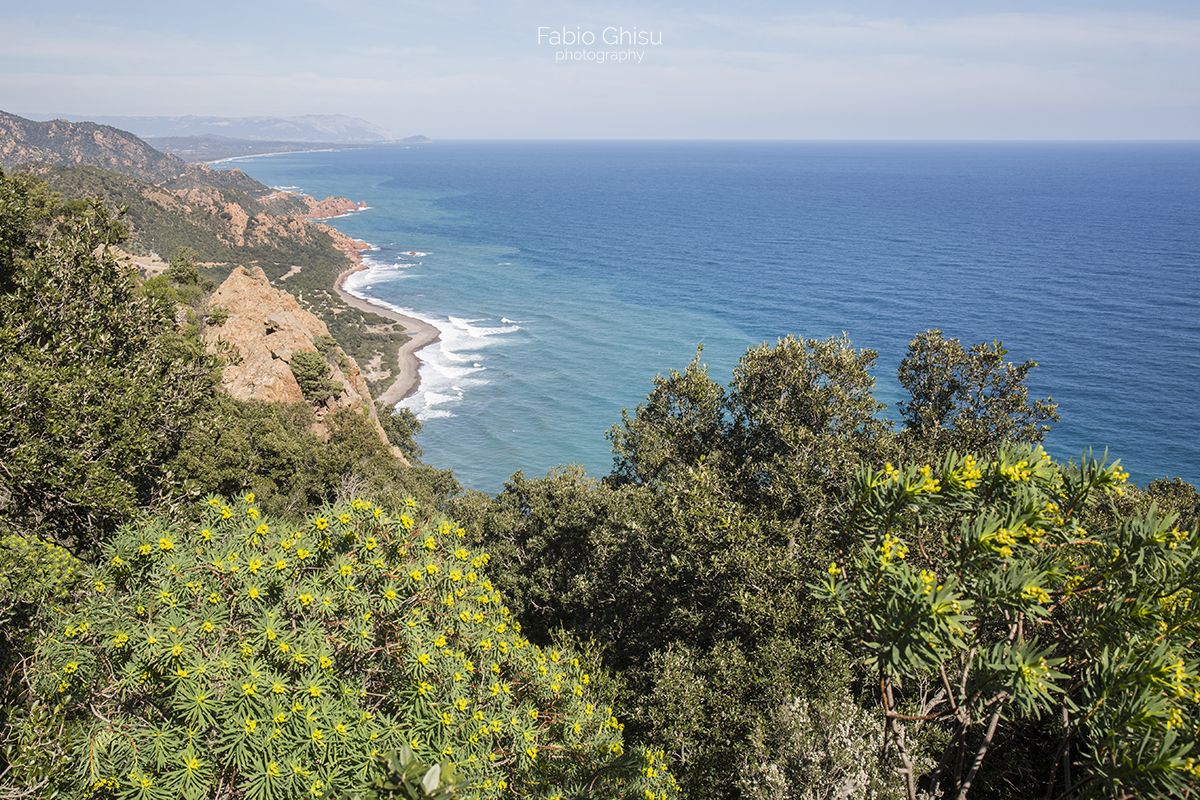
(401,426)
(968,400)
(985,592)
(99,386)
(686,567)
(237,446)
(683,420)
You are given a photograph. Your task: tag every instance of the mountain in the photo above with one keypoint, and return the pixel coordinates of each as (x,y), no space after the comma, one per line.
(89,144)
(308,128)
(222,218)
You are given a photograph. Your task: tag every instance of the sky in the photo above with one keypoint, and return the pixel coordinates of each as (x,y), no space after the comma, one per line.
(467,69)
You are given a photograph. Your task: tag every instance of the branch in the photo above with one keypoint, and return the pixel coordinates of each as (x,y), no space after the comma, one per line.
(981,752)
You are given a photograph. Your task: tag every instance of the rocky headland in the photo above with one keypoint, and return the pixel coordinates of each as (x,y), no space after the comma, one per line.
(265,327)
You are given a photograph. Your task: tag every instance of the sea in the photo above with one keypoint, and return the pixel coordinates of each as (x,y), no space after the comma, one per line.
(565,275)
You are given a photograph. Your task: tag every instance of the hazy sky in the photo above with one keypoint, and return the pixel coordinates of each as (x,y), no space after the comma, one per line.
(1053,69)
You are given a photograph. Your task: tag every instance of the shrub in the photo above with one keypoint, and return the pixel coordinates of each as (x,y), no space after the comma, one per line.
(279,659)
(312,373)
(999,584)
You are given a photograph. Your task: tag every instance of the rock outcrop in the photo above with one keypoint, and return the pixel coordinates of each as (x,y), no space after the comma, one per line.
(266,327)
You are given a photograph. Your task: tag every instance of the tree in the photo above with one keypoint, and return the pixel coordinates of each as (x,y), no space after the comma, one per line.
(986,593)
(99,385)
(401,426)
(968,400)
(685,567)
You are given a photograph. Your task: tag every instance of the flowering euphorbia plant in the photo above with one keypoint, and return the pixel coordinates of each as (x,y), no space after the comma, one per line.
(987,591)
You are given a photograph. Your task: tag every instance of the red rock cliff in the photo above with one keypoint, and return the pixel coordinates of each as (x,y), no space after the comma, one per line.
(266,326)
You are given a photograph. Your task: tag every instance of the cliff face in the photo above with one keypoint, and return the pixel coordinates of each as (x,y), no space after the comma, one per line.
(266,327)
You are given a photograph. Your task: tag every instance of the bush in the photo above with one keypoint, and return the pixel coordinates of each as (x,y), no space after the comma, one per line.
(278,659)
(997,582)
(312,373)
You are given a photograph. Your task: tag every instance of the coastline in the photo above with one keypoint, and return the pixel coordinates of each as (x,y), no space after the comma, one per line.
(420,333)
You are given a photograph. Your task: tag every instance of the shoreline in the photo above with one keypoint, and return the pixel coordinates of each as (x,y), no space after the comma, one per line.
(419,332)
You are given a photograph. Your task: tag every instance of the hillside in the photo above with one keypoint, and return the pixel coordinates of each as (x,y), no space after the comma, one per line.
(72,144)
(224,218)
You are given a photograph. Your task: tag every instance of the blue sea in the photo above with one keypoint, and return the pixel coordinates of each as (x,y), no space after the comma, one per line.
(565,275)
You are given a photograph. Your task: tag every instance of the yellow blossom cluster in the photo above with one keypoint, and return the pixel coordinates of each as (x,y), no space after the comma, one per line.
(312,649)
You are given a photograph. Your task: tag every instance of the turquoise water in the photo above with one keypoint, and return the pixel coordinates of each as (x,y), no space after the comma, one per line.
(565,275)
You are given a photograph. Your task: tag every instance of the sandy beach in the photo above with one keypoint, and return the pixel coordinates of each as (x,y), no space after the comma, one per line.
(420,333)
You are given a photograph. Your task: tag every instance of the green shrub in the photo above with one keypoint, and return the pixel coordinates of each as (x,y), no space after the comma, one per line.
(274,659)
(312,373)
(217,316)
(998,582)
(36,582)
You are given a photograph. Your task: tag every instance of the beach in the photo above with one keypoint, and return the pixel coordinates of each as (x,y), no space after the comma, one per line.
(420,333)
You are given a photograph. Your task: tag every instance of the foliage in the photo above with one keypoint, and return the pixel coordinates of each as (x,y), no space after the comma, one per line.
(402,775)
(275,659)
(991,590)
(312,373)
(37,579)
(822,749)
(99,386)
(796,417)
(236,446)
(401,426)
(968,400)
(697,608)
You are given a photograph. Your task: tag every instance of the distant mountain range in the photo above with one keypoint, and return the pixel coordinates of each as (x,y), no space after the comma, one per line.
(308,128)
(198,149)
